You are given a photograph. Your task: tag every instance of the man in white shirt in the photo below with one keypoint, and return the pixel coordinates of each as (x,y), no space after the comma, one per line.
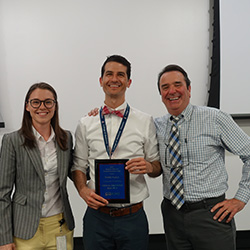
(124,133)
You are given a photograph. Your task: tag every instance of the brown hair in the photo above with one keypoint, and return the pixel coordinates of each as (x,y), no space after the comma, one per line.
(26,128)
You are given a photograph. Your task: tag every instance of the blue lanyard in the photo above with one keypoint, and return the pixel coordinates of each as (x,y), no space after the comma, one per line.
(119,133)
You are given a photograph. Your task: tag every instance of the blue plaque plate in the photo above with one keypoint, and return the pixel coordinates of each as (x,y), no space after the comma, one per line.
(112,180)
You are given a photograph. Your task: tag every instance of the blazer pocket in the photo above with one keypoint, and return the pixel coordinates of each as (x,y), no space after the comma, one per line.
(20,199)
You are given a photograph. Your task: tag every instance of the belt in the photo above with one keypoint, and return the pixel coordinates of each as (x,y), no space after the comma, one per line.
(121,211)
(189,206)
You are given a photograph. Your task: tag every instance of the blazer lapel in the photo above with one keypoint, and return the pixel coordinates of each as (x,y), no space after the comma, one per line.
(35,157)
(61,163)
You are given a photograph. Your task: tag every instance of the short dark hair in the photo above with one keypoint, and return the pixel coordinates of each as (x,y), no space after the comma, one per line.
(118,59)
(173,67)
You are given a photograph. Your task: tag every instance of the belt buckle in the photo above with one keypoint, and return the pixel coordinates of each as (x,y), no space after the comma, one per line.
(112,211)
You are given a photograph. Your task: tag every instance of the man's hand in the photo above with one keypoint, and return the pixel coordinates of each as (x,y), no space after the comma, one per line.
(93,112)
(227,207)
(141,166)
(92,199)
(10,246)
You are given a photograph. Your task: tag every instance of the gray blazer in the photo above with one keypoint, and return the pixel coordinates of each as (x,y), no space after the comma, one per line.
(22,173)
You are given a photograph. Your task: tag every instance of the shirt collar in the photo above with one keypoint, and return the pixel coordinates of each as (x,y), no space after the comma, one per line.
(186,113)
(39,137)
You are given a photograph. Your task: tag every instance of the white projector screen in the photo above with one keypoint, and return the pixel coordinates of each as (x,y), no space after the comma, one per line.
(235,56)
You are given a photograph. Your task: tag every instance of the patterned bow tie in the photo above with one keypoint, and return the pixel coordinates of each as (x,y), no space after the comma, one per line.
(106,111)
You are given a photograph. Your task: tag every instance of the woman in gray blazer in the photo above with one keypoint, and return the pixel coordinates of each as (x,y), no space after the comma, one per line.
(34,164)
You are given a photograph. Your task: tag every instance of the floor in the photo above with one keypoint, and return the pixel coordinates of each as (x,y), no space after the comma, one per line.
(157,241)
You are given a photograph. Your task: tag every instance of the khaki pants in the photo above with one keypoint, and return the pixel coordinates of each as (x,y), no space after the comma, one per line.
(45,236)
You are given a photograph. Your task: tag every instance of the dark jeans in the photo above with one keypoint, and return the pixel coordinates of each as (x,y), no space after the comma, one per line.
(103,232)
(195,229)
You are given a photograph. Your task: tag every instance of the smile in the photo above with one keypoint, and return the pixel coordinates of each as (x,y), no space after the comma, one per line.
(42,113)
(174,98)
(114,85)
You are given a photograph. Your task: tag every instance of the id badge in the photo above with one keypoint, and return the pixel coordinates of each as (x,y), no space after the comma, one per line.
(61,242)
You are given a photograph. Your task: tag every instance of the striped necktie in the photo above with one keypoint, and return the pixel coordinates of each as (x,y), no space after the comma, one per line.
(176,172)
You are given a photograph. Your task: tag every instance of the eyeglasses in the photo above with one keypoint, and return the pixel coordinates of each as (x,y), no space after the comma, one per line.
(36,103)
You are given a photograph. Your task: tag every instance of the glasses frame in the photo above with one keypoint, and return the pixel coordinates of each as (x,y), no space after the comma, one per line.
(44,103)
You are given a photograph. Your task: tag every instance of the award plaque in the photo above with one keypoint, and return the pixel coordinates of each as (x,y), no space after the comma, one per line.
(112,180)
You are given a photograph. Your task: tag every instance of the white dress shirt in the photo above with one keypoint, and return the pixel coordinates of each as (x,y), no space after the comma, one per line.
(137,140)
(52,199)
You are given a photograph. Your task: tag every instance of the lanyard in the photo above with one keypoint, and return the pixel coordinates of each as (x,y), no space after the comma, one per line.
(119,133)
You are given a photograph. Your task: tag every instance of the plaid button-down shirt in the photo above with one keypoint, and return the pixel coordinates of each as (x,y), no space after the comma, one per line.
(205,134)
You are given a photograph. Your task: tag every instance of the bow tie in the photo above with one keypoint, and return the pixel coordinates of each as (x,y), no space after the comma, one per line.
(106,111)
